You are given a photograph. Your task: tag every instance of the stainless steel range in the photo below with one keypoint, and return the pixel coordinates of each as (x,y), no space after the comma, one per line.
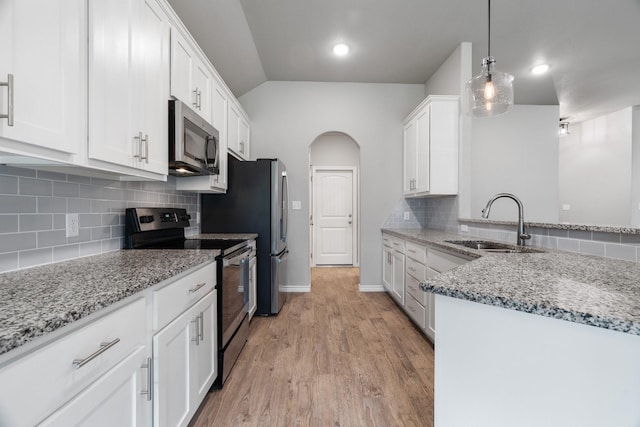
(163,228)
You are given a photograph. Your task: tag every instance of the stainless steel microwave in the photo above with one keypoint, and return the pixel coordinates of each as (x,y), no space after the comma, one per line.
(194,147)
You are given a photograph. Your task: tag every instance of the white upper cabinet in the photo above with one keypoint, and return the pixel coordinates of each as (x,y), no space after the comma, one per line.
(238,131)
(42,45)
(128,84)
(191,80)
(431,148)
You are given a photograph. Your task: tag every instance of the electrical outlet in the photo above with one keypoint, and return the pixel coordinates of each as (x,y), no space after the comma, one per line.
(296,204)
(566,207)
(464,228)
(406,216)
(73,228)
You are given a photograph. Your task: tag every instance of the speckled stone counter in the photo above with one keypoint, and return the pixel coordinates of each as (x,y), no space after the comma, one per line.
(39,300)
(225,236)
(584,289)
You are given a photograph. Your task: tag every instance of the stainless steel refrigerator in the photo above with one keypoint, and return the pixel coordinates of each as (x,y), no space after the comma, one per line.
(256,202)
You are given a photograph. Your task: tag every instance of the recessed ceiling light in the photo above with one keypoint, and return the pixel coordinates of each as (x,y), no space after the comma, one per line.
(540,69)
(341,49)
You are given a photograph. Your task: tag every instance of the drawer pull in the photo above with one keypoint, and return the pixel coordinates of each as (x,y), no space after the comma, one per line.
(149,390)
(197,287)
(79,363)
(412,251)
(412,269)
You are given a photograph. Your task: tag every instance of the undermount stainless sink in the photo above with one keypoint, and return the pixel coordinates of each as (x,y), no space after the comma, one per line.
(494,247)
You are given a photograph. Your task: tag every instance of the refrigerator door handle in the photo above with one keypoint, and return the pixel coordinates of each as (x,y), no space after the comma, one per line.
(285,208)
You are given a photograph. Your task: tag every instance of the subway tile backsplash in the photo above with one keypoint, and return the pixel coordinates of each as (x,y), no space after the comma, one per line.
(441,213)
(34,204)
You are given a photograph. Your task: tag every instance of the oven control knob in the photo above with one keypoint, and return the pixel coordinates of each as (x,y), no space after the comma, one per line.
(145,219)
(185,217)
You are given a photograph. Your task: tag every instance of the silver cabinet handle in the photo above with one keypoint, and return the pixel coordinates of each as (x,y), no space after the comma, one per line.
(144,141)
(201,317)
(195,98)
(350,222)
(149,367)
(196,322)
(79,363)
(197,287)
(199,97)
(242,147)
(9,85)
(138,138)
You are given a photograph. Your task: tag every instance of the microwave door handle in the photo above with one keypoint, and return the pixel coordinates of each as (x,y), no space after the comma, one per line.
(212,160)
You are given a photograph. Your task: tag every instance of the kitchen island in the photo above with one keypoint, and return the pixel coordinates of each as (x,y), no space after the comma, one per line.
(534,339)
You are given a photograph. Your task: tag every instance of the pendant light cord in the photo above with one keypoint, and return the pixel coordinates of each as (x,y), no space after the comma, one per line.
(489,29)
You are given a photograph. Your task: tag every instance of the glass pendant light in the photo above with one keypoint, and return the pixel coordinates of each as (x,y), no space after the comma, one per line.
(490,93)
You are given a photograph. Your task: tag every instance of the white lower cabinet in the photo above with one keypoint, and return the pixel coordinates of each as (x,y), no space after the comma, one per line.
(185,359)
(118,398)
(79,369)
(393,267)
(416,264)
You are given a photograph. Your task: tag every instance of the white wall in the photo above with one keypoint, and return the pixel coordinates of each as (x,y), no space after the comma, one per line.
(335,149)
(516,153)
(595,170)
(288,116)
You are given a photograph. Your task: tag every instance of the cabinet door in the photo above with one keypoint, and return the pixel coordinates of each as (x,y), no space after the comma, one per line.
(112,135)
(387,268)
(43,45)
(244,134)
(151,56)
(219,106)
(410,135)
(398,277)
(171,354)
(205,353)
(233,128)
(201,79)
(430,328)
(115,399)
(182,59)
(422,151)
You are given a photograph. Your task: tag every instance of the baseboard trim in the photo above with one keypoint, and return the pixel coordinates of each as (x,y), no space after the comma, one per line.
(296,288)
(371,288)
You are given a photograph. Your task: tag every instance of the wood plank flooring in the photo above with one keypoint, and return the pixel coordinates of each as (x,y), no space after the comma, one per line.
(332,357)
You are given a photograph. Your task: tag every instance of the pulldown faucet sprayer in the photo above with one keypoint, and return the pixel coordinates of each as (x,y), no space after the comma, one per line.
(521,235)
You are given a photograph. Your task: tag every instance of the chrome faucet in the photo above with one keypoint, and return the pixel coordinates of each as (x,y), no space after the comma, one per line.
(522,236)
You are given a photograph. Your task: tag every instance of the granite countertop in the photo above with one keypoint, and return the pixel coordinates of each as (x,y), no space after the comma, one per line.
(40,300)
(591,290)
(225,236)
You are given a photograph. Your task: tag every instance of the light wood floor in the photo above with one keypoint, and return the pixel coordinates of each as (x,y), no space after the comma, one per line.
(332,357)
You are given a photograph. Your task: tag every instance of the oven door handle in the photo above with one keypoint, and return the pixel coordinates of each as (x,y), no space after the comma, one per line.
(235,260)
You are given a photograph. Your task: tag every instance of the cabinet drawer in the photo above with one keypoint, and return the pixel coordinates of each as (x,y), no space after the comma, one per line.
(387,240)
(417,252)
(416,269)
(48,378)
(441,261)
(413,289)
(398,244)
(416,311)
(176,297)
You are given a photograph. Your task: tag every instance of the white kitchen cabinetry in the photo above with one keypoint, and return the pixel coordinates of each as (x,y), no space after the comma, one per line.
(238,131)
(431,148)
(191,79)
(43,45)
(128,80)
(393,267)
(405,265)
(118,398)
(78,377)
(184,347)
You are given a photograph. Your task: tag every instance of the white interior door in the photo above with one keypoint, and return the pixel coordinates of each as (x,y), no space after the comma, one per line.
(333,217)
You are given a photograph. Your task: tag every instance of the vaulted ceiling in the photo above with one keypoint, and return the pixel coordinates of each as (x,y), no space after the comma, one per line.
(592,46)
